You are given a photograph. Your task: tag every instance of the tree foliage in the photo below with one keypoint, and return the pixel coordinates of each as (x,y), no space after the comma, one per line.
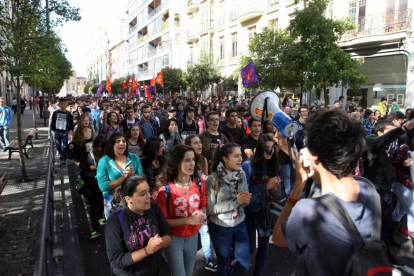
(316,54)
(174,79)
(203,74)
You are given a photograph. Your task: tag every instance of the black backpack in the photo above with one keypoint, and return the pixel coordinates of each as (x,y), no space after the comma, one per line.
(370,258)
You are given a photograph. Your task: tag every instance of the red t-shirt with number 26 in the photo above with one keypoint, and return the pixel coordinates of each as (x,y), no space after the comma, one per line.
(183,203)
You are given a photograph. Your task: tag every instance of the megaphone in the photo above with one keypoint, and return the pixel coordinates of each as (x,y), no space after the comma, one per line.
(266,103)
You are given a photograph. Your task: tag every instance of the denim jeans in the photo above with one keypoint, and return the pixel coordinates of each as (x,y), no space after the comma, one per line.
(107,205)
(405,204)
(4,136)
(386,213)
(182,255)
(223,238)
(262,248)
(205,242)
(61,142)
(285,173)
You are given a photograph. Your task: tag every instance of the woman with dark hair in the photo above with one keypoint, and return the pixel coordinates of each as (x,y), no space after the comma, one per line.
(136,231)
(268,127)
(377,115)
(152,159)
(261,175)
(195,142)
(112,124)
(170,136)
(115,166)
(205,109)
(227,195)
(88,164)
(83,135)
(183,201)
(135,139)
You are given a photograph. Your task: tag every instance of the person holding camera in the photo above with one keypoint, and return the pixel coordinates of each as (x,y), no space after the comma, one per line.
(335,143)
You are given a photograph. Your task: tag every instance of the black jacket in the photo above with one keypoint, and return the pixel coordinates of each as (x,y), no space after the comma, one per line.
(378,166)
(124,124)
(120,244)
(69,121)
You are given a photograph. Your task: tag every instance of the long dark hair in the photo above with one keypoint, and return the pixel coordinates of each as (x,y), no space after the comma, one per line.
(220,152)
(100,140)
(201,159)
(259,161)
(110,145)
(171,169)
(151,148)
(141,140)
(166,132)
(127,188)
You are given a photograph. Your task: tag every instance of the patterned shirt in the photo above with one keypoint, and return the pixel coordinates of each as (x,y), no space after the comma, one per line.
(402,173)
(369,128)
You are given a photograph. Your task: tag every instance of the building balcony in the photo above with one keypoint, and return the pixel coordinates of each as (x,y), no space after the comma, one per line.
(132,29)
(248,9)
(192,35)
(192,5)
(272,3)
(157,10)
(380,24)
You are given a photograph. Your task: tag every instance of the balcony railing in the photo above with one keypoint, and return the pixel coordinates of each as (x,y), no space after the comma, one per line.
(272,3)
(381,23)
(247,9)
(192,33)
(157,10)
(132,29)
(207,25)
(192,5)
(220,23)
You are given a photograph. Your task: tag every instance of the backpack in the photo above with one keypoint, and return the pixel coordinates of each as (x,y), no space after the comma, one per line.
(370,258)
(168,191)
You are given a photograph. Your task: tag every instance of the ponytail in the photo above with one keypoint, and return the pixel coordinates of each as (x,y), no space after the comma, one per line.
(127,188)
(220,152)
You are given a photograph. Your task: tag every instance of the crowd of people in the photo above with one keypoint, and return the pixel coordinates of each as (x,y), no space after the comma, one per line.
(161,175)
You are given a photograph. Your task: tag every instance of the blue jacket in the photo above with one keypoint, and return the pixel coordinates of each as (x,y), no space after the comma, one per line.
(155,127)
(108,171)
(95,113)
(5,116)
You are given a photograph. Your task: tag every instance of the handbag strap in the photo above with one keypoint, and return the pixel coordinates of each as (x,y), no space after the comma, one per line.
(335,207)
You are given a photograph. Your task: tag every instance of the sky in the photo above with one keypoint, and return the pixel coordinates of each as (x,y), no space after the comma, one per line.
(77,35)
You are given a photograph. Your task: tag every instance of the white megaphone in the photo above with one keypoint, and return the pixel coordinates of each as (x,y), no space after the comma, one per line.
(268,102)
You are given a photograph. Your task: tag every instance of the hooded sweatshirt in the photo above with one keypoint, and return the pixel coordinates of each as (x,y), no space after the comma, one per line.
(138,229)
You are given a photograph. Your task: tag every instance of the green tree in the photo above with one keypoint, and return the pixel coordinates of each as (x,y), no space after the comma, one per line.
(23,25)
(201,75)
(174,79)
(316,54)
(265,51)
(116,85)
(87,88)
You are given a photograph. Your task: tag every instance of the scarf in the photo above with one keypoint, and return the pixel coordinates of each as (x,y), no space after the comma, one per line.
(231,178)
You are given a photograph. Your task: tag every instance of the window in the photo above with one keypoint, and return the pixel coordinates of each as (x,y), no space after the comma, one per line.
(233,45)
(357,12)
(252,32)
(221,48)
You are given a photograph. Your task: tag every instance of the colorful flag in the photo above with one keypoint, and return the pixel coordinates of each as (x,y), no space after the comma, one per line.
(134,86)
(249,74)
(152,82)
(98,93)
(126,83)
(146,91)
(160,79)
(108,86)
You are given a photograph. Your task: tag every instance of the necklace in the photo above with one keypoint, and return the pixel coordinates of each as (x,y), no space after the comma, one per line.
(183,185)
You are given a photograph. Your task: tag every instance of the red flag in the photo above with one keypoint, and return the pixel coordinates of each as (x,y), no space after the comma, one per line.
(160,79)
(130,92)
(108,86)
(152,82)
(134,84)
(146,91)
(126,83)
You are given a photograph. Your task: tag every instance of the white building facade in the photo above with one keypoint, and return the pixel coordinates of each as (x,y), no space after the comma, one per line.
(154,39)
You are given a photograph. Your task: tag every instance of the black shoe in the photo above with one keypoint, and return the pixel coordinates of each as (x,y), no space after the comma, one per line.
(396,262)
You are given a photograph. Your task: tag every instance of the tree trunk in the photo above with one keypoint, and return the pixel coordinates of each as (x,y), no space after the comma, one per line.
(325,95)
(19,131)
(301,95)
(44,108)
(34,116)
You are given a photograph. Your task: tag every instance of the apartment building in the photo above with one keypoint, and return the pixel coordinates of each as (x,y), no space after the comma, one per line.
(384,38)
(98,56)
(224,29)
(73,85)
(153,38)
(117,61)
